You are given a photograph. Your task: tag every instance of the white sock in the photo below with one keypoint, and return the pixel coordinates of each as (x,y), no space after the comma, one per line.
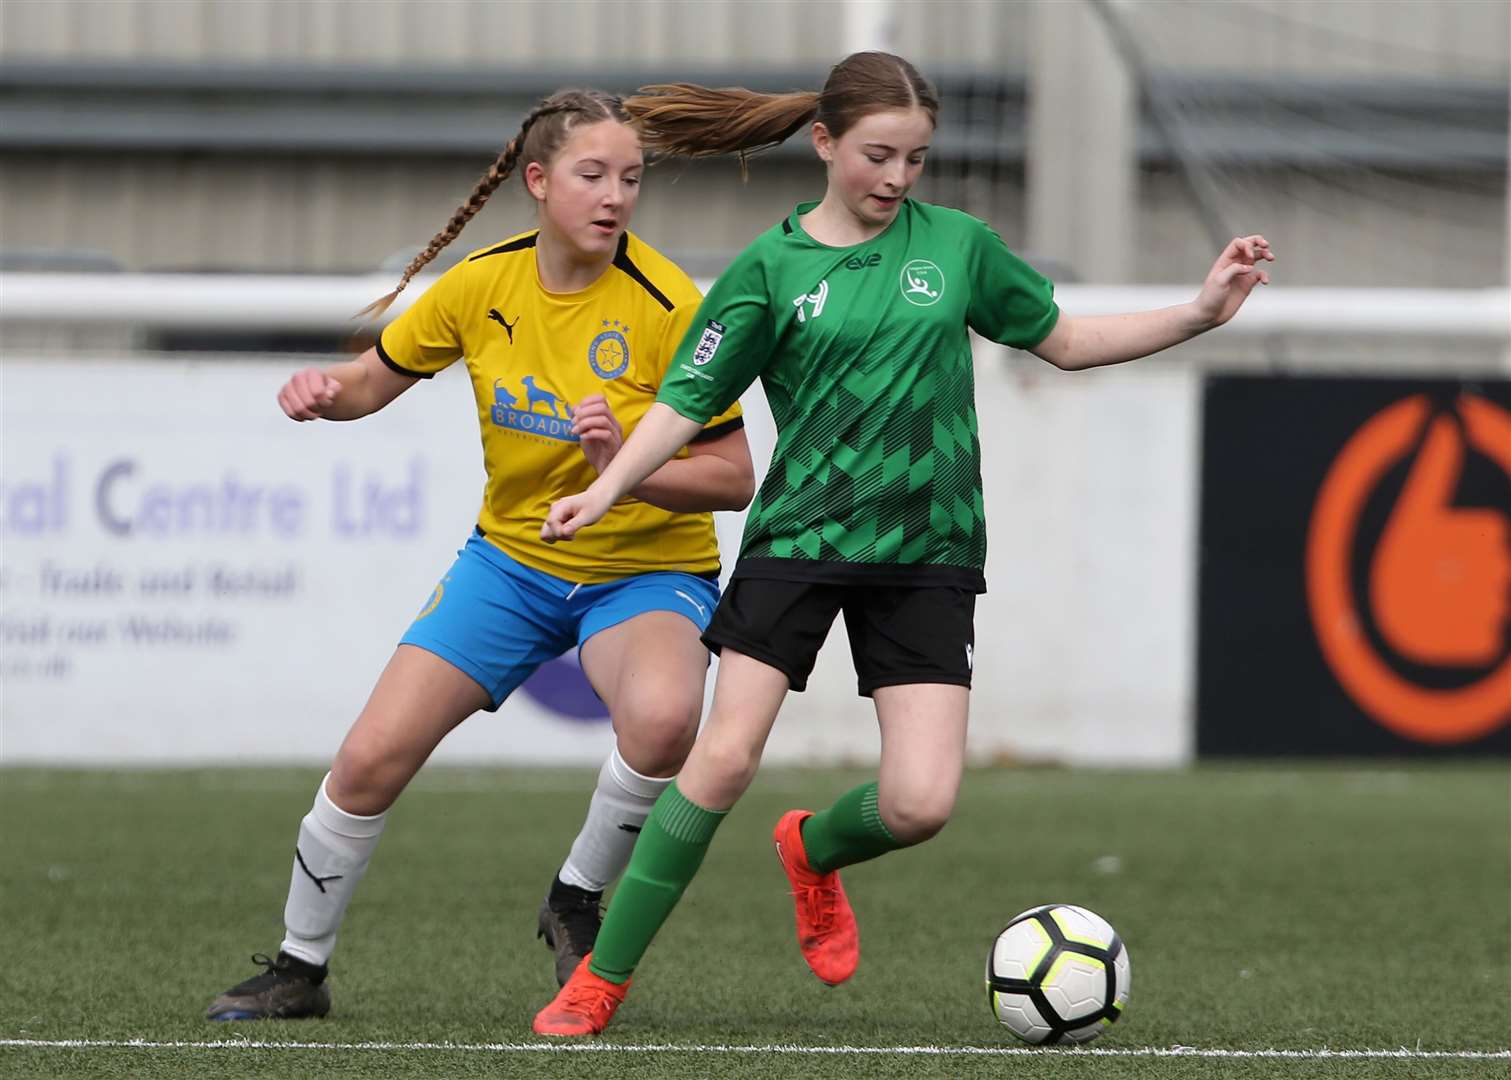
(331,856)
(621,803)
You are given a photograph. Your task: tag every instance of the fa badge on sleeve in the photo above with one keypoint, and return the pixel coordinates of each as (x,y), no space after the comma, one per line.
(708,344)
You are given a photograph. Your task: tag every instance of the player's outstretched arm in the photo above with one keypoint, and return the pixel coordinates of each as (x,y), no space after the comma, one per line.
(345,391)
(1079,342)
(661,433)
(717,473)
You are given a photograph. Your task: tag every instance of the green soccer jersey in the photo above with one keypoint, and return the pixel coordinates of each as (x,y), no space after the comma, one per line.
(864,355)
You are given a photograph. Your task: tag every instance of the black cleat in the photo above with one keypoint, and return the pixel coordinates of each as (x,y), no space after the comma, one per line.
(289,989)
(569,921)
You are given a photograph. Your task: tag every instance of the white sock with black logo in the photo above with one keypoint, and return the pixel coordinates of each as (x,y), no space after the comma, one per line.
(621,803)
(332,855)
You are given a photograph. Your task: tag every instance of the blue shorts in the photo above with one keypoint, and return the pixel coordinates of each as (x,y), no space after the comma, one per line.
(498,620)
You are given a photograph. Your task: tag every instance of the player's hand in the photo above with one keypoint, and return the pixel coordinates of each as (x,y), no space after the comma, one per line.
(571,514)
(308,394)
(594,423)
(1232,277)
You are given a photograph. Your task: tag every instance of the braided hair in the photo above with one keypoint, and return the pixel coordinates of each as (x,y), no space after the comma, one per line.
(541,135)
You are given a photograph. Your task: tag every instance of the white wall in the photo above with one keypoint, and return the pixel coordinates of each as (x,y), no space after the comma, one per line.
(1401,37)
(1084,642)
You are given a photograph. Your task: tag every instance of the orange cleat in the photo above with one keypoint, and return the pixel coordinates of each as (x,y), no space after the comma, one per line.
(584,1006)
(826,930)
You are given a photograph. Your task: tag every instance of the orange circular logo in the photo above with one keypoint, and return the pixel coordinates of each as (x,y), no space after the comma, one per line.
(1439,584)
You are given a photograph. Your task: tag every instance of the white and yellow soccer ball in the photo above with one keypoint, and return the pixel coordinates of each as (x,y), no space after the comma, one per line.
(1058,973)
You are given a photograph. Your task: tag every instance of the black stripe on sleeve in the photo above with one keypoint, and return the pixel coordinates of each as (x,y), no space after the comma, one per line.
(393,365)
(787,225)
(623,261)
(719,429)
(513,245)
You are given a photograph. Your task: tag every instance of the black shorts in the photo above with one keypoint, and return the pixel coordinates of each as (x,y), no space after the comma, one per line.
(897,635)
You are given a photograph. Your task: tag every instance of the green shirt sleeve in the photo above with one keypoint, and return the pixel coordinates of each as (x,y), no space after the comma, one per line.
(1011,302)
(726,347)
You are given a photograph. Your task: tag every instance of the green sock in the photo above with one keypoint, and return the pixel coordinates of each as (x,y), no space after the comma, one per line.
(667,855)
(851,831)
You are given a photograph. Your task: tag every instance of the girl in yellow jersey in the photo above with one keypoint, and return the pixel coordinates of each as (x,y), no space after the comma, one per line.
(566,332)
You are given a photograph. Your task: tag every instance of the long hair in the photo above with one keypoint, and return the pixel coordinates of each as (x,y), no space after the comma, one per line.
(541,135)
(688,120)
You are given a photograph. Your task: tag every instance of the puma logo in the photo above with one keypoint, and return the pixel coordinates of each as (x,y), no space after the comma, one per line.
(506,324)
(319,881)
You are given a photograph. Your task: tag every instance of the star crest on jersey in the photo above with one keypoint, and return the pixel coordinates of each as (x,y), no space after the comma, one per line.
(609,354)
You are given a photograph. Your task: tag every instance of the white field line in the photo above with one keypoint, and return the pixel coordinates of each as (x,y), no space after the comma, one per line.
(1324,1053)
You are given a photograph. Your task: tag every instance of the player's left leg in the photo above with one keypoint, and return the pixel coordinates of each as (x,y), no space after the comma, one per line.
(923,751)
(923,729)
(649,669)
(914,649)
(650,672)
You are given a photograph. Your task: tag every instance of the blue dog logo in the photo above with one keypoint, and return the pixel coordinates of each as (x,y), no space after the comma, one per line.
(507,414)
(535,394)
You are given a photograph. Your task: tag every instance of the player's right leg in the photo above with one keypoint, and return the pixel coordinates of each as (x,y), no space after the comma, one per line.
(483,630)
(641,652)
(747,696)
(768,635)
(418,699)
(783,624)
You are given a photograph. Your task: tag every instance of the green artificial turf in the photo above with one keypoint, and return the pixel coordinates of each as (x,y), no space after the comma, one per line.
(1264,907)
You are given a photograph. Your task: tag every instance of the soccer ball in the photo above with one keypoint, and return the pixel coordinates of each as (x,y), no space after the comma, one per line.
(1057,973)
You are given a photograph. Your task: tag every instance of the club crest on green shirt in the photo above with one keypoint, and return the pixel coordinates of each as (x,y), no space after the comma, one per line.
(921,282)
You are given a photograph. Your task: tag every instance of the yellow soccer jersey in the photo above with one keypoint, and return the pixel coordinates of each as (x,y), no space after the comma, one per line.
(533,356)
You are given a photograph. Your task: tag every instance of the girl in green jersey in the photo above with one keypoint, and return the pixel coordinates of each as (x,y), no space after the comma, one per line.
(854,312)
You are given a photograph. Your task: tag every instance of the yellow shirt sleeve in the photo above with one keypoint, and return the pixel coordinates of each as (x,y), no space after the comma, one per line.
(427,338)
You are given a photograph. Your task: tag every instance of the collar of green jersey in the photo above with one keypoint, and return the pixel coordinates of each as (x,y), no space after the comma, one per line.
(795,227)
